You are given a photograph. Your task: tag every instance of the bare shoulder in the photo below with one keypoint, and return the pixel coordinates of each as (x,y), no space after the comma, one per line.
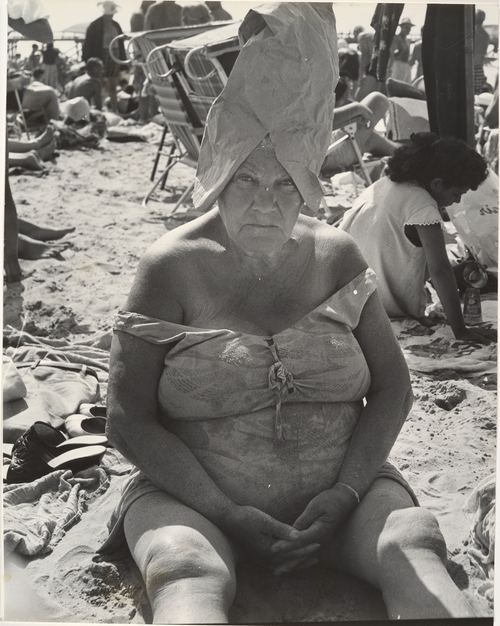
(336,251)
(166,269)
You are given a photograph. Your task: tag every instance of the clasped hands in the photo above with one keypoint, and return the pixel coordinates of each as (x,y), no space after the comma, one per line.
(284,548)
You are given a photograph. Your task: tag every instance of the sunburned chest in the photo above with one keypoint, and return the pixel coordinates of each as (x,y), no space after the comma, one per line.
(261,306)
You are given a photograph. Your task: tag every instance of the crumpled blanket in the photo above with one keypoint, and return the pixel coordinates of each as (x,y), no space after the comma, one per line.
(25,347)
(436,349)
(480,505)
(38,514)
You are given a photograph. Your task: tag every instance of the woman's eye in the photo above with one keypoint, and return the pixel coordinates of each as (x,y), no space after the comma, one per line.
(288,182)
(246,178)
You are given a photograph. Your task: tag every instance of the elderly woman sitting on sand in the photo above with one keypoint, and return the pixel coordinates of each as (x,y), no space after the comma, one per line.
(255,380)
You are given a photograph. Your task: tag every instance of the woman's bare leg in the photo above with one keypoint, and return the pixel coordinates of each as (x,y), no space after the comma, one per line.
(29,160)
(399,549)
(187,563)
(41,233)
(13,272)
(31,249)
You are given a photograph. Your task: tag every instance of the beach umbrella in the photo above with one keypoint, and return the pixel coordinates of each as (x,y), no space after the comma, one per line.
(77,28)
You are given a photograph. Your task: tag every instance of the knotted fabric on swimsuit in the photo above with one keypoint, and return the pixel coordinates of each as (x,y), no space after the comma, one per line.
(282,85)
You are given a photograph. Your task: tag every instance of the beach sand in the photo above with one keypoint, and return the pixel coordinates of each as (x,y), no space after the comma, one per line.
(442,452)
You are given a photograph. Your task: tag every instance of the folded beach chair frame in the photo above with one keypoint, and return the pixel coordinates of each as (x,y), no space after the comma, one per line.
(184,124)
(137,49)
(202,76)
(350,136)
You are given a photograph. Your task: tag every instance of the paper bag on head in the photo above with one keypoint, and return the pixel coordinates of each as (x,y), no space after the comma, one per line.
(282,85)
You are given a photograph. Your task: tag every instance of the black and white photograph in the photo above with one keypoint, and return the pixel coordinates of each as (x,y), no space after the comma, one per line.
(249,311)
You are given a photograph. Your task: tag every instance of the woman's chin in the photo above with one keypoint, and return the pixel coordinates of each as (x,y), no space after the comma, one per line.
(262,245)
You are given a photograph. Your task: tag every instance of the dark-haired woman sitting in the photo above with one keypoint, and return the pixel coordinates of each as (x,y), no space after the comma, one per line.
(398,225)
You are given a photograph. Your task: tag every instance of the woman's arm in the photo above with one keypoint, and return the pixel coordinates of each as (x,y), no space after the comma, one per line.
(388,401)
(443,280)
(387,405)
(136,367)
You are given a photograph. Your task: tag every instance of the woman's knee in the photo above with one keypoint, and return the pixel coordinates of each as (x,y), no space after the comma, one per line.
(377,103)
(407,531)
(180,554)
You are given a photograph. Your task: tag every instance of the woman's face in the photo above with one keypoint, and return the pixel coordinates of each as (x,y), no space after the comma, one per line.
(260,205)
(446,196)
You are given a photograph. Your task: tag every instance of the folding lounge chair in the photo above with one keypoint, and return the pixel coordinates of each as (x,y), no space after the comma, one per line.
(206,60)
(180,116)
(350,136)
(140,45)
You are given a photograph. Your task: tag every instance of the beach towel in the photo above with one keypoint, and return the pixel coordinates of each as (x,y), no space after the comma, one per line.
(57,380)
(437,350)
(480,506)
(38,514)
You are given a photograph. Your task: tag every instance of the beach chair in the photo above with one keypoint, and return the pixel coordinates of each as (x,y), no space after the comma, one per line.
(180,116)
(140,45)
(206,60)
(350,136)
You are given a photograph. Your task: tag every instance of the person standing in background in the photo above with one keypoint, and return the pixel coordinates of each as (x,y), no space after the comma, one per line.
(481,43)
(50,59)
(416,58)
(400,68)
(164,14)
(34,58)
(100,33)
(220,14)
(195,13)
(137,18)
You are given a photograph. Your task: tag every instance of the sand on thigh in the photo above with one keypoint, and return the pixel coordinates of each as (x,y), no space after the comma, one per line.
(187,563)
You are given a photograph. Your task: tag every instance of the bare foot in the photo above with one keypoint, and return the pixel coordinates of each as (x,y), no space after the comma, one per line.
(46,152)
(46,137)
(31,249)
(32,161)
(41,234)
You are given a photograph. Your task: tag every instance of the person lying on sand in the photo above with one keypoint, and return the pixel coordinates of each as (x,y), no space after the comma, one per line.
(397,223)
(23,239)
(371,110)
(30,153)
(251,336)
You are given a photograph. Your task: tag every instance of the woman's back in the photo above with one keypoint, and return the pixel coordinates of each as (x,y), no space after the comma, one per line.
(381,222)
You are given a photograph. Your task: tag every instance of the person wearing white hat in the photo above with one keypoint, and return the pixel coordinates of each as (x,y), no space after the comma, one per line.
(399,64)
(100,33)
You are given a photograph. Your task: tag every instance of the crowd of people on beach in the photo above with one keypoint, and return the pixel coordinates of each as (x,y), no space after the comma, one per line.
(290,312)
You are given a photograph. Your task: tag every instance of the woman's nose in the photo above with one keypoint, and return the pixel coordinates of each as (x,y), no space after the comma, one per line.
(264,200)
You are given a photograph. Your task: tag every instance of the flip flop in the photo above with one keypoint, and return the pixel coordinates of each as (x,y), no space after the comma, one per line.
(92,410)
(78,425)
(40,451)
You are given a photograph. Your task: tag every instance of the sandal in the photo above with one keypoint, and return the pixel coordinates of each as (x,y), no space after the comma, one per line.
(80,425)
(92,410)
(43,449)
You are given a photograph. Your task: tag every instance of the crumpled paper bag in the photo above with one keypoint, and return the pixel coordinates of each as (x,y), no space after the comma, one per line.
(282,85)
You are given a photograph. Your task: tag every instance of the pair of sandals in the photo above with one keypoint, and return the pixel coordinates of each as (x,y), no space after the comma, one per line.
(43,449)
(90,420)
